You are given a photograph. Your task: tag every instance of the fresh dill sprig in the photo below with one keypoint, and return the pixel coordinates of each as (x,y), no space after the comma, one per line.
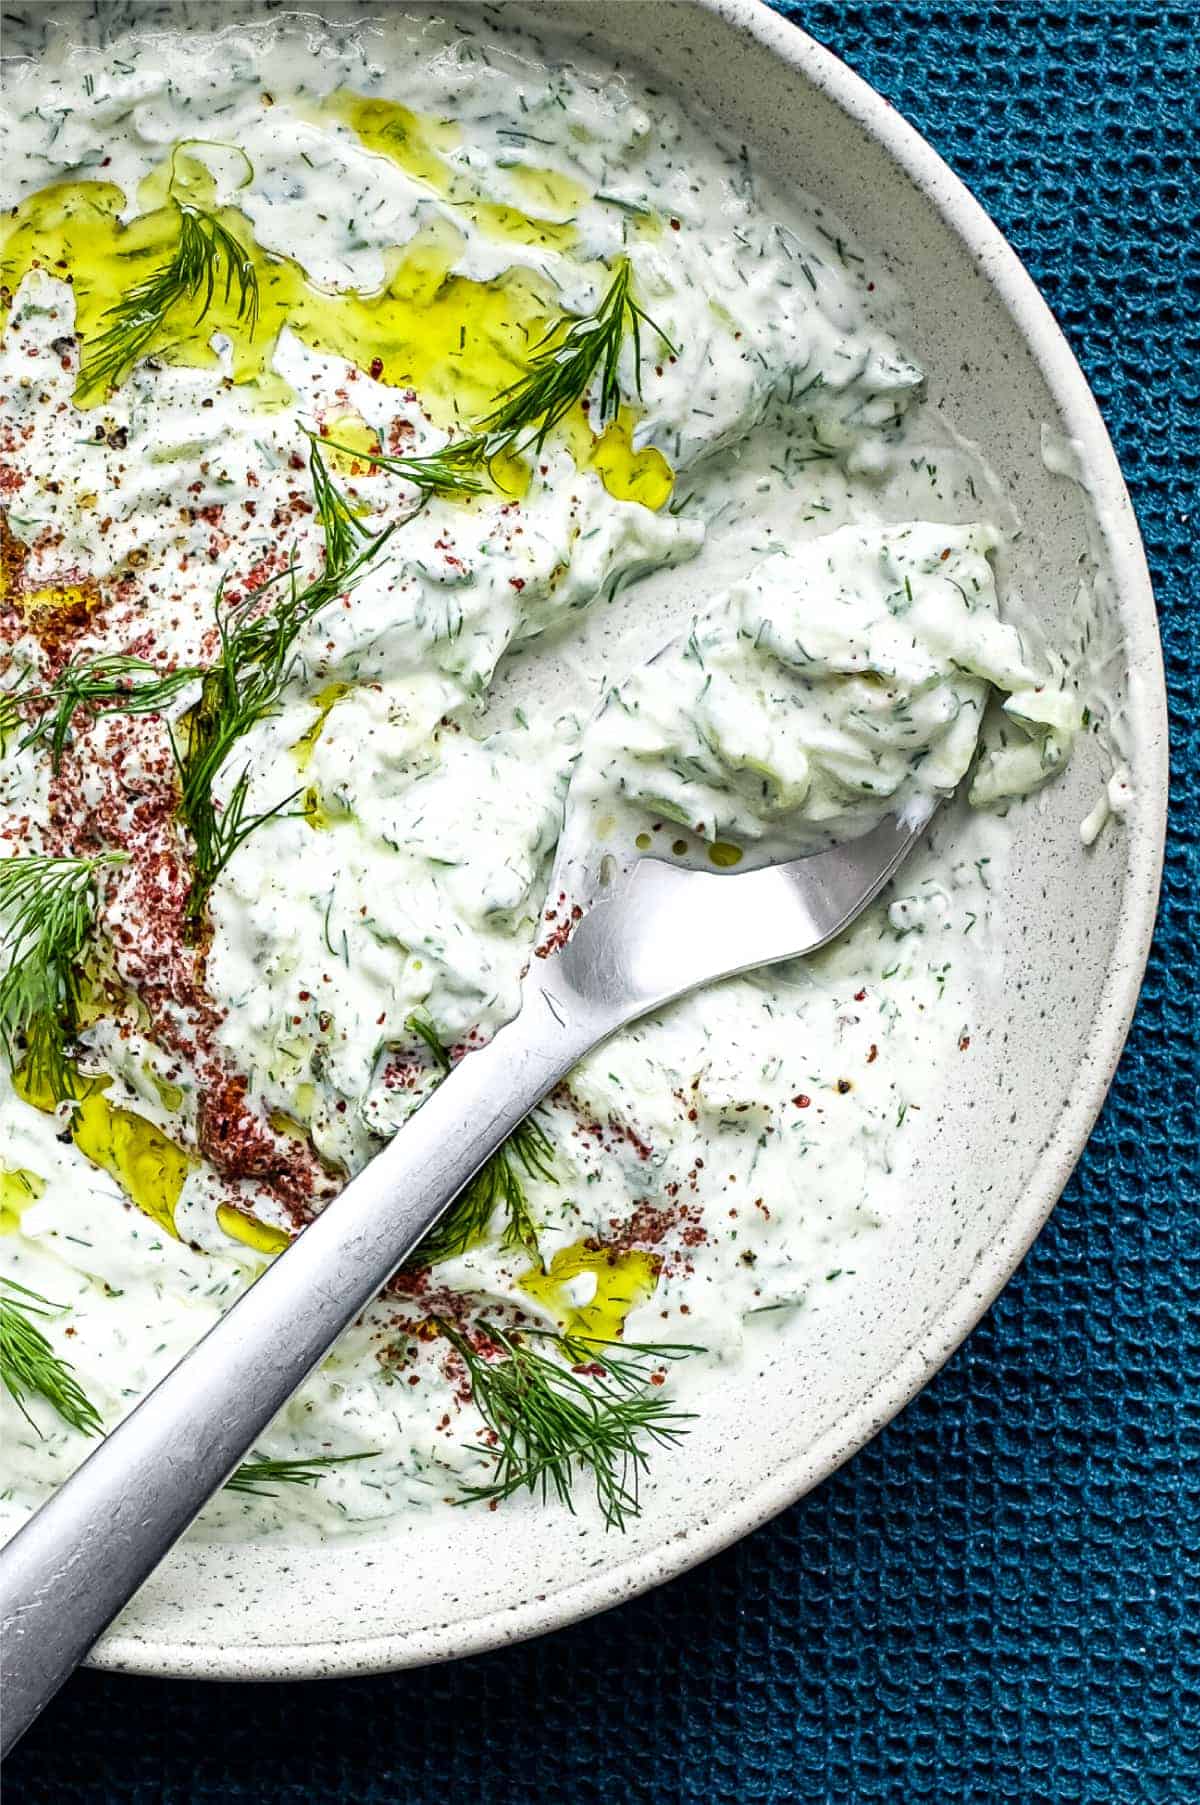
(561,370)
(29,1366)
(584,1406)
(566,362)
(261,639)
(237,691)
(446,471)
(112,683)
(260,1476)
(11,718)
(47,908)
(115,683)
(244,685)
(203,249)
(343,531)
(423,1028)
(501,1184)
(527,1153)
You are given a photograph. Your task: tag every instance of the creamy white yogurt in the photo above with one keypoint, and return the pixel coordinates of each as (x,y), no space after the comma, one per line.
(832,686)
(739,1148)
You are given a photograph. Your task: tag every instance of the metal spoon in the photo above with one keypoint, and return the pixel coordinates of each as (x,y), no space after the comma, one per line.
(649,932)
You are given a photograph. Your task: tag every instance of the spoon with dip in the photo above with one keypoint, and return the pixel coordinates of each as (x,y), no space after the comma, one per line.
(631,935)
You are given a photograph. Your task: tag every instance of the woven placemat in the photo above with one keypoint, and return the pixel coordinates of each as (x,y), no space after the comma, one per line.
(999,1599)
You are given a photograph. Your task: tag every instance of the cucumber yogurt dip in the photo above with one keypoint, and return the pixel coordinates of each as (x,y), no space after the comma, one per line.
(357,453)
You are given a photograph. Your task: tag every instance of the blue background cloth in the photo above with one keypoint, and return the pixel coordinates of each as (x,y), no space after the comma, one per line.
(999,1599)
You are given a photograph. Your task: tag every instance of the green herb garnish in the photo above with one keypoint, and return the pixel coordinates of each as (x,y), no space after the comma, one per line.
(423,1028)
(561,371)
(343,531)
(204,250)
(256,661)
(47,908)
(260,1476)
(236,692)
(29,1366)
(242,686)
(527,1153)
(110,684)
(582,1406)
(565,363)
(11,718)
(446,471)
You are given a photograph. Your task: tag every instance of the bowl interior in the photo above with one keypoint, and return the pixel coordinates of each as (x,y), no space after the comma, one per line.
(1010,1123)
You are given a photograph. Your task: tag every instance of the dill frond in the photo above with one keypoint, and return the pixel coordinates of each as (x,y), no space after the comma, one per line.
(344,532)
(583,1406)
(252,645)
(244,685)
(11,718)
(260,1476)
(562,369)
(47,908)
(29,1366)
(446,471)
(202,251)
(110,684)
(235,693)
(527,1153)
(423,1028)
(566,363)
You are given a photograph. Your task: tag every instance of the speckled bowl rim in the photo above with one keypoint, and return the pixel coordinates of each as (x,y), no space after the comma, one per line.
(1146,832)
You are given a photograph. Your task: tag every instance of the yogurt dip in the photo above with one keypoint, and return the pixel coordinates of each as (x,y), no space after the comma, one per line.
(753,474)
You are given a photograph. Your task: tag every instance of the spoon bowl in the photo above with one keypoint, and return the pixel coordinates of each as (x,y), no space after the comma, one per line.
(1012,1118)
(652,933)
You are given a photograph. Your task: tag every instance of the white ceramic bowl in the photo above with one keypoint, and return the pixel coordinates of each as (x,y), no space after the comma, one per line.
(1009,1133)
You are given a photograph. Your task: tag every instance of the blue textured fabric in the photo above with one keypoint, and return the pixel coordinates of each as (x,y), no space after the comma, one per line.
(1000,1598)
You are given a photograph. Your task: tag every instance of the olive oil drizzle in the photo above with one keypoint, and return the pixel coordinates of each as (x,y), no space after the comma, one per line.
(576,352)
(149,1167)
(164,285)
(168,281)
(456,341)
(608,1282)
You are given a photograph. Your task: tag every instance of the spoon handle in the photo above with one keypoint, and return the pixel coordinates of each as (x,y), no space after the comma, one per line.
(83,1555)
